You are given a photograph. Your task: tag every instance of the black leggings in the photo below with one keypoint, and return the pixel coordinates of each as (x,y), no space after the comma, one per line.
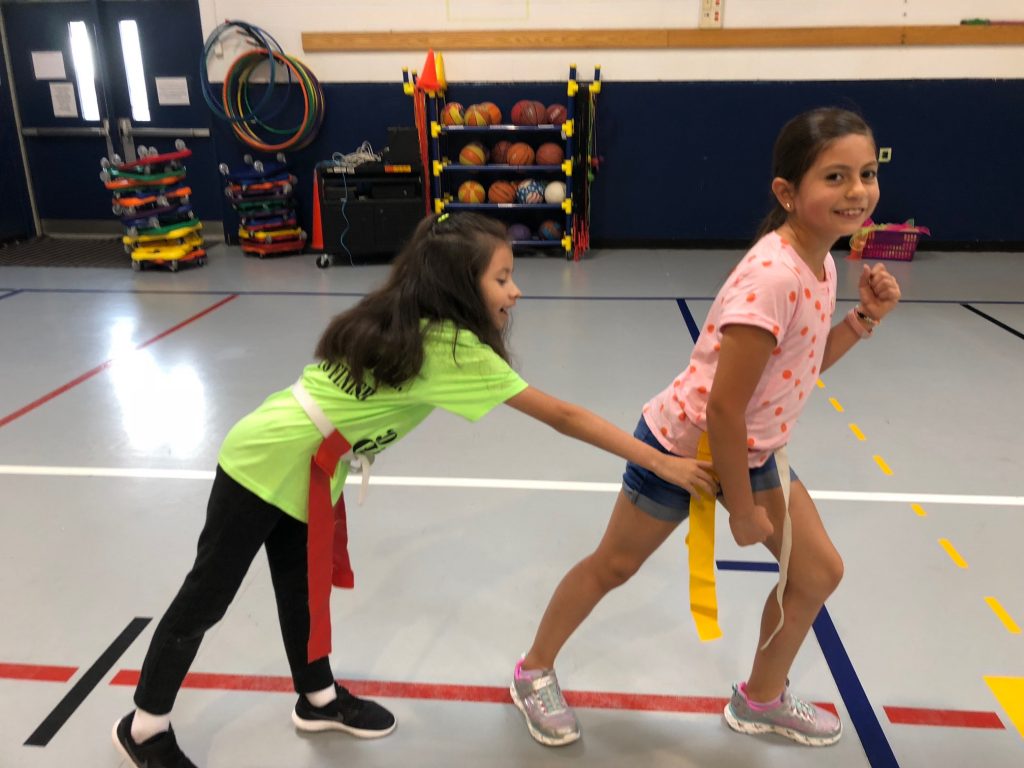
(238,523)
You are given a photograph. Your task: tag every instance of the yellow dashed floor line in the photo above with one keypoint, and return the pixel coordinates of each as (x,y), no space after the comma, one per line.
(953,554)
(1009,691)
(1003,616)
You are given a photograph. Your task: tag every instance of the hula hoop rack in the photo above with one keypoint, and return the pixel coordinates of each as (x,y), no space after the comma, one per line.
(252,122)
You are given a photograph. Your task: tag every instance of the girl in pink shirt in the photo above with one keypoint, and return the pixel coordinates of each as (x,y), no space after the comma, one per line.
(767,338)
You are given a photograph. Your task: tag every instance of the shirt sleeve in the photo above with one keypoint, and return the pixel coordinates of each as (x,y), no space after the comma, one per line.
(468,379)
(761,292)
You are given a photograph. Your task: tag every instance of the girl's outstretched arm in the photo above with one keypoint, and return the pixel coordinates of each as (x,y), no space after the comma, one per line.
(576,421)
(742,360)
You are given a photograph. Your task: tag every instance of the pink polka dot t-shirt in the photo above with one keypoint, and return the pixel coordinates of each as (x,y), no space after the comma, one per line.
(771,288)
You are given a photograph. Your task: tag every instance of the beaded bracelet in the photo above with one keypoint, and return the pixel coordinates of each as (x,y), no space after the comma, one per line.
(865,317)
(852,319)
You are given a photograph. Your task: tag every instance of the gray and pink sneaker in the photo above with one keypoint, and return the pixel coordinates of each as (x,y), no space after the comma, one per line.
(791,717)
(549,718)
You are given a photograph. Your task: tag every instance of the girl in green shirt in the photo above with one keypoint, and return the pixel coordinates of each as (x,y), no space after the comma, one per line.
(432,336)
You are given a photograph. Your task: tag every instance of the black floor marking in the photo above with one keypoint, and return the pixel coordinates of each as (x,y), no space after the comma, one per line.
(992,320)
(74,698)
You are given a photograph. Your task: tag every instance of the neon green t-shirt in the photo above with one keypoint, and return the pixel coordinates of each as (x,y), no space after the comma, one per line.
(268,451)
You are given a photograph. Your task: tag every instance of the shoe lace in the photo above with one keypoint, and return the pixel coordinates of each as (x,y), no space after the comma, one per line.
(550,696)
(804,710)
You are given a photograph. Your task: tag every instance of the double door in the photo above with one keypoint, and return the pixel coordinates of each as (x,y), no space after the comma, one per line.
(99,78)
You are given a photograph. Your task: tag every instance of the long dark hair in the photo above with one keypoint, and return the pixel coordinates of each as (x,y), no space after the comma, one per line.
(798,145)
(436,277)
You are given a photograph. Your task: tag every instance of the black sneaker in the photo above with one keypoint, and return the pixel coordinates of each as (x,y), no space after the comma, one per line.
(360,717)
(160,751)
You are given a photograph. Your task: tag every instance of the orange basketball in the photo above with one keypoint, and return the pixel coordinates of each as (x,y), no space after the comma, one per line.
(477,114)
(473,154)
(501,192)
(499,152)
(550,153)
(492,112)
(471,192)
(452,114)
(555,114)
(520,153)
(525,112)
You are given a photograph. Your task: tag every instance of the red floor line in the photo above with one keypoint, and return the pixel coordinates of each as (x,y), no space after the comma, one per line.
(949,718)
(47,673)
(706,705)
(447,692)
(106,364)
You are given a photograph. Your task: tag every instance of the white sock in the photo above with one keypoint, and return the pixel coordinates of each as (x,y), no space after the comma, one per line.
(322,697)
(146,725)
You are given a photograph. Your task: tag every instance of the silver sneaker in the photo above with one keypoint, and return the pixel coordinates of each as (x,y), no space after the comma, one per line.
(551,721)
(793,718)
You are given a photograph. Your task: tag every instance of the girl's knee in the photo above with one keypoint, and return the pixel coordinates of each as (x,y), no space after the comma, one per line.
(818,581)
(832,572)
(615,570)
(826,576)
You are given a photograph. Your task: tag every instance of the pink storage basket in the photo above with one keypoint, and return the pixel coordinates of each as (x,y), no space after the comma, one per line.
(891,244)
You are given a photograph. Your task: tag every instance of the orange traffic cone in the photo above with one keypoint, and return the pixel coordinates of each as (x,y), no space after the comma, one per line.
(428,79)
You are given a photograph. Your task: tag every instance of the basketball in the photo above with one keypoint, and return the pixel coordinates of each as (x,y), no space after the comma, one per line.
(501,192)
(554,192)
(492,112)
(471,192)
(452,114)
(473,154)
(519,232)
(499,152)
(549,153)
(520,153)
(525,112)
(555,114)
(477,114)
(530,192)
(550,230)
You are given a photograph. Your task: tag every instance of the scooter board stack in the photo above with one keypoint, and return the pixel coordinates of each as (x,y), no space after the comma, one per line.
(262,194)
(152,199)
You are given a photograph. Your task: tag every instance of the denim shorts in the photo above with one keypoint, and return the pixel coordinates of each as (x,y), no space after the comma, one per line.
(668,502)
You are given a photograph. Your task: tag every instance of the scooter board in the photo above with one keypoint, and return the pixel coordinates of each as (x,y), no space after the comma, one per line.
(167,257)
(269,213)
(250,174)
(260,225)
(266,249)
(157,216)
(243,190)
(167,180)
(169,232)
(265,201)
(150,160)
(130,200)
(271,235)
(191,240)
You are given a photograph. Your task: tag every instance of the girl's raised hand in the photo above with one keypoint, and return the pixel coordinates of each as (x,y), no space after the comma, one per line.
(879,291)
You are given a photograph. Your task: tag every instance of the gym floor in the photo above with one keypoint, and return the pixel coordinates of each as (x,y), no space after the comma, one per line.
(118,388)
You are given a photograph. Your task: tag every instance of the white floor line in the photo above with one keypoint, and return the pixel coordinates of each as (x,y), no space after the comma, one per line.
(507,484)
